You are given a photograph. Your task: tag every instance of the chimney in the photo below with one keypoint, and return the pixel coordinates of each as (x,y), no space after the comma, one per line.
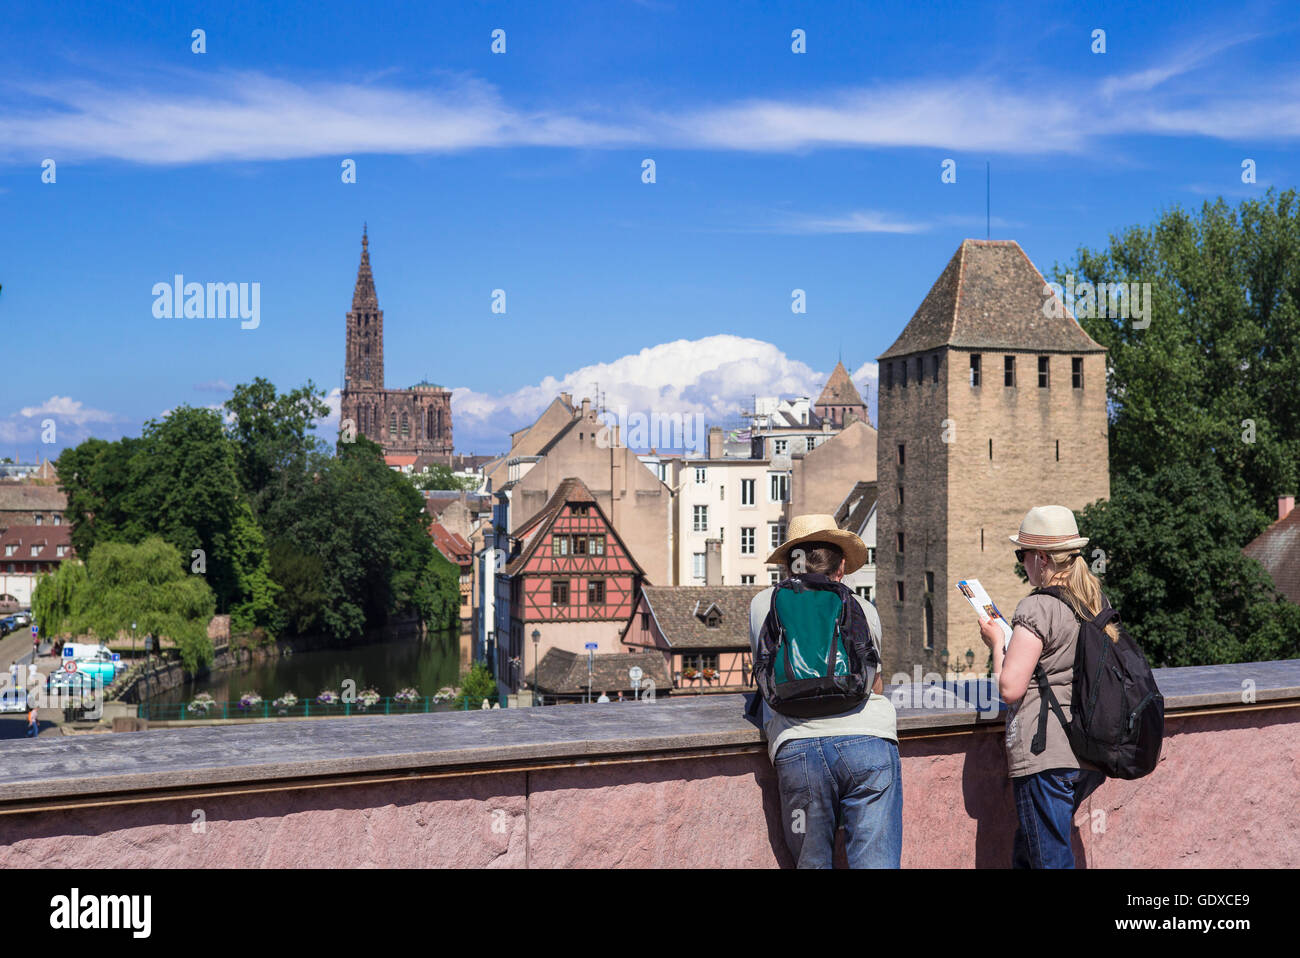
(586,408)
(568,399)
(713,562)
(1284,506)
(715,445)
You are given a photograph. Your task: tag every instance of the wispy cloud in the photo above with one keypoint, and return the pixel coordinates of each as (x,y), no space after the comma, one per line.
(185,116)
(213,386)
(858,221)
(251,116)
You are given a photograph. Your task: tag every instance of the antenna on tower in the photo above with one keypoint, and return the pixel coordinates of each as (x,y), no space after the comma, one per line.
(987,218)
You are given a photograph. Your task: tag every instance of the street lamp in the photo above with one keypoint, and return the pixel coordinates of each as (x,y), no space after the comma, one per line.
(133,640)
(970,660)
(537,667)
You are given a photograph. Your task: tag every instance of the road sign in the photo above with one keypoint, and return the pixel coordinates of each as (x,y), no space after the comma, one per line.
(35,629)
(70,665)
(67,651)
(635,673)
(591,646)
(117,656)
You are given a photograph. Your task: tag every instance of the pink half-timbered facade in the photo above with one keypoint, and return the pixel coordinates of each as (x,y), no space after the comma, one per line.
(573,581)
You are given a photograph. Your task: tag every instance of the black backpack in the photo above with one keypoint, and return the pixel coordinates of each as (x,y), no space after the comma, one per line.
(815,652)
(1117,715)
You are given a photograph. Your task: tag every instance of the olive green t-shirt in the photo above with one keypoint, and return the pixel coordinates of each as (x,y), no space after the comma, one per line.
(1055,623)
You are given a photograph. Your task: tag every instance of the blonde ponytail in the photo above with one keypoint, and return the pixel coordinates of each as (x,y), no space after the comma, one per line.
(1082,588)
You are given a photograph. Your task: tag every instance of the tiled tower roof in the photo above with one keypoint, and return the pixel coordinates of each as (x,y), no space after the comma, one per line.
(990,296)
(839,390)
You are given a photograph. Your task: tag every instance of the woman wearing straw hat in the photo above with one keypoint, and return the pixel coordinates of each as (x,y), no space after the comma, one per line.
(842,768)
(1048,785)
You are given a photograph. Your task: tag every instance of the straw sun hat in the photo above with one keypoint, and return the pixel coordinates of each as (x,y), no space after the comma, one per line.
(821,528)
(1049,529)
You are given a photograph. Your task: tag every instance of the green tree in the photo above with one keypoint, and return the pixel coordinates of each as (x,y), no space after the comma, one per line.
(1204,425)
(122,583)
(477,684)
(1185,590)
(59,598)
(441,477)
(1212,381)
(96,477)
(272,434)
(366,526)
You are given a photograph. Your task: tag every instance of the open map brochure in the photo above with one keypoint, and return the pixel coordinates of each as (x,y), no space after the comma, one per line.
(983,606)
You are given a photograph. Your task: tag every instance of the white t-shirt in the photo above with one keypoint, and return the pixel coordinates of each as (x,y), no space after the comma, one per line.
(874,715)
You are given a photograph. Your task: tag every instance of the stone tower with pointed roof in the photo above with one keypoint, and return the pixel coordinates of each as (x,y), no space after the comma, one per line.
(992,401)
(413,425)
(840,401)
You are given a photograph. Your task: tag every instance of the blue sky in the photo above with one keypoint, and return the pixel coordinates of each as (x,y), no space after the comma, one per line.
(522,171)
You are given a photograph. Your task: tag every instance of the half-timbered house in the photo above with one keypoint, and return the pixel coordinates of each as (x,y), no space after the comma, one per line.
(572,580)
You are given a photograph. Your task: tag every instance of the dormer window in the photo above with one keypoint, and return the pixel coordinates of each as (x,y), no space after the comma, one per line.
(711,616)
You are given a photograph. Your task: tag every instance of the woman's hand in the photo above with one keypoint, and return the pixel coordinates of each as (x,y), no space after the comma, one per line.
(991,632)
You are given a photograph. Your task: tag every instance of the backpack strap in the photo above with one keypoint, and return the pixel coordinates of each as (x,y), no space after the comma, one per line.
(1046,697)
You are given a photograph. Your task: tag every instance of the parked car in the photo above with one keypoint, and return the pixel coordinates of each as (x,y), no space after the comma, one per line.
(8,623)
(23,618)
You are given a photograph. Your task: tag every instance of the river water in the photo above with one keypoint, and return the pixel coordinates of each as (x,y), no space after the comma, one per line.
(426,665)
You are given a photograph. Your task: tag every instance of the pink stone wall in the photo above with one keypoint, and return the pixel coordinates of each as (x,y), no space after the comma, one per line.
(1224,796)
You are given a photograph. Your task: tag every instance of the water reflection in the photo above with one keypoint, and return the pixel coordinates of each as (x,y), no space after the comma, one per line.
(423,664)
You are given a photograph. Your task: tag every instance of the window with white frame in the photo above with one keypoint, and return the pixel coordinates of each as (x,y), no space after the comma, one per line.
(746,580)
(778,489)
(774,576)
(746,492)
(700,518)
(777,530)
(779,446)
(747,540)
(701,476)
(697,565)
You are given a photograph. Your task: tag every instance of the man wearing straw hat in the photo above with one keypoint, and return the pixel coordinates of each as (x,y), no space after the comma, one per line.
(841,768)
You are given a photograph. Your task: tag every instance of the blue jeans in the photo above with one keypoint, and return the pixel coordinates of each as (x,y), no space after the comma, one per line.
(854,780)
(1045,807)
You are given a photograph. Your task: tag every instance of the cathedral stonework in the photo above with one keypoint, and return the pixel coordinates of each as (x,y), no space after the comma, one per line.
(406,422)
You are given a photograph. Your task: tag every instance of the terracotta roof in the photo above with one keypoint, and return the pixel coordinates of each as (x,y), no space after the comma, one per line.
(853,512)
(839,390)
(990,296)
(452,545)
(569,490)
(396,460)
(680,611)
(47,538)
(1278,550)
(26,497)
(565,673)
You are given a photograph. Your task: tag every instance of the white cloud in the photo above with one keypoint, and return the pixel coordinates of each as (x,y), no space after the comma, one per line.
(213,386)
(858,221)
(67,409)
(716,377)
(196,118)
(187,116)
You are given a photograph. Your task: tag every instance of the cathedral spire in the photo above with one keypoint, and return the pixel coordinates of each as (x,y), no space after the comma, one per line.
(363,297)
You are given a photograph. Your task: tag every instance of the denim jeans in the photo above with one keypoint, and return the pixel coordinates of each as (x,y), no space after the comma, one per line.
(853,780)
(1045,807)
